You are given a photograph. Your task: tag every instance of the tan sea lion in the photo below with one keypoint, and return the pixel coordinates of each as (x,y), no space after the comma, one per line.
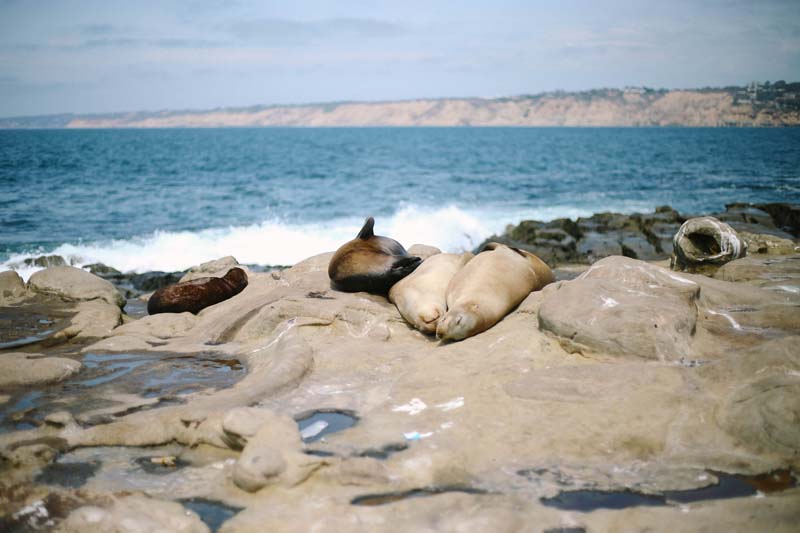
(370,263)
(488,288)
(421,297)
(197,294)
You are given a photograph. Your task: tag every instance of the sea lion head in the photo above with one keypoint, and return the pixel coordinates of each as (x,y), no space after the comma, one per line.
(237,277)
(370,263)
(457,324)
(428,318)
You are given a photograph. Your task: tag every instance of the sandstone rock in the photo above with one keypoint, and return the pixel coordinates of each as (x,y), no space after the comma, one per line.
(423,251)
(119,343)
(72,283)
(705,242)
(134,514)
(271,452)
(765,413)
(169,325)
(759,243)
(781,273)
(215,268)
(18,369)
(243,423)
(94,319)
(625,307)
(12,288)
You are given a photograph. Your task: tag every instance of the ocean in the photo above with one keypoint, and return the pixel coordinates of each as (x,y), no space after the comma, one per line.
(167,199)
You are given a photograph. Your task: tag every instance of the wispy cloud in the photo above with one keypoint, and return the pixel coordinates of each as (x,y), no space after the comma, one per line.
(285,32)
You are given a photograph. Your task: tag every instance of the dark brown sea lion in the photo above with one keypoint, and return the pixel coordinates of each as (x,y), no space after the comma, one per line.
(197,294)
(370,263)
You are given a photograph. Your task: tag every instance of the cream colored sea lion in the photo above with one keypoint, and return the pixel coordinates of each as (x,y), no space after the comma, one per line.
(370,263)
(488,288)
(421,296)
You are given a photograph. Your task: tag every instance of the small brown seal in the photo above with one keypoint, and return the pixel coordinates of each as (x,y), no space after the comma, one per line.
(370,263)
(197,294)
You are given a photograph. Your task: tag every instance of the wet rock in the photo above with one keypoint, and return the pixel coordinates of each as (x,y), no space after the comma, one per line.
(702,244)
(104,271)
(785,216)
(152,281)
(46,261)
(586,240)
(215,268)
(72,283)
(18,369)
(134,514)
(624,307)
(12,287)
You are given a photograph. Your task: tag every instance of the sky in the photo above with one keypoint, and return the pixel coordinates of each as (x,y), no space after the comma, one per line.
(96,56)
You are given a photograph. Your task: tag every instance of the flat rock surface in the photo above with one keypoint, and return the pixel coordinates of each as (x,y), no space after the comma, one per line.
(73,283)
(629,379)
(17,369)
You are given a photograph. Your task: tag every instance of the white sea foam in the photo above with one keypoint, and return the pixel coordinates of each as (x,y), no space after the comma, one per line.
(450,228)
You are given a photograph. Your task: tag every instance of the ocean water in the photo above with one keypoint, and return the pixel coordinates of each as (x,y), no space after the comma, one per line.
(143,200)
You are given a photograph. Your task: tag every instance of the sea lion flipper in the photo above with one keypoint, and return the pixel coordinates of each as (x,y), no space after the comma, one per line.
(367,230)
(489,246)
(406,265)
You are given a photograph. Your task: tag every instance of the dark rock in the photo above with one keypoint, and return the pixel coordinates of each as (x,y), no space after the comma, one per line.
(785,216)
(152,281)
(104,271)
(46,261)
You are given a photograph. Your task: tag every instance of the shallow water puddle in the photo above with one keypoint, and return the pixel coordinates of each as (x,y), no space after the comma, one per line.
(728,486)
(28,324)
(213,513)
(392,497)
(68,474)
(316,425)
(156,379)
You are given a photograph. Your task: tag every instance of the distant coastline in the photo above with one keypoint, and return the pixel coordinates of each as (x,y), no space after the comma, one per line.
(755,105)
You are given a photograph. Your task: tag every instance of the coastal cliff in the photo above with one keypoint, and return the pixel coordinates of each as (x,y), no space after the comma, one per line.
(766,104)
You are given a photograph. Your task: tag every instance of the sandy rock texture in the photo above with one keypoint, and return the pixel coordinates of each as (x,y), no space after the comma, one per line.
(72,283)
(629,378)
(17,369)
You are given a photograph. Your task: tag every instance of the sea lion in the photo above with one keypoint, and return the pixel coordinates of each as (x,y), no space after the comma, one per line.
(370,263)
(197,294)
(421,297)
(488,288)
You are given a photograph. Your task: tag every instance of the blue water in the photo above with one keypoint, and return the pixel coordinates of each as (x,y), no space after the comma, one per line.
(168,199)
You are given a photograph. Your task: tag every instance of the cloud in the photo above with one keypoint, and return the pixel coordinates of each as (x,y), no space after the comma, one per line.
(97,29)
(136,42)
(285,32)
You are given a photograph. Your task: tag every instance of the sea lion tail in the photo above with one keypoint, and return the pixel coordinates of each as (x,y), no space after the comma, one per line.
(366,231)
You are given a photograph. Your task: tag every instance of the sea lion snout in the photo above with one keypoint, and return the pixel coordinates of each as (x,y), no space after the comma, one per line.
(455,325)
